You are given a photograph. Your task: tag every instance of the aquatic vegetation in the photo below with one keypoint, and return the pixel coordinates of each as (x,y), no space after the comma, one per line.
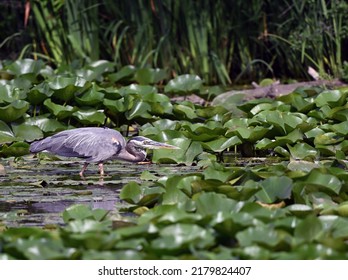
(267,183)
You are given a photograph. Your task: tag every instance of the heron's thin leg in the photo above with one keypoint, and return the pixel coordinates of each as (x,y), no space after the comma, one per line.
(83,169)
(101,168)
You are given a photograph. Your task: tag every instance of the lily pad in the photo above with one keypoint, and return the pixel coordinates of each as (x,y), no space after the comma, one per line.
(59,111)
(92,97)
(146,76)
(27,132)
(124,74)
(45,124)
(274,188)
(90,116)
(13,111)
(184,84)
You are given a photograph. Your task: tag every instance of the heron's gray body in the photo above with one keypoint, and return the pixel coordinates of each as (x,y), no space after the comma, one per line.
(95,144)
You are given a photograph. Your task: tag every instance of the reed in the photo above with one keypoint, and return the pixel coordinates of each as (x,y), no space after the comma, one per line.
(222,41)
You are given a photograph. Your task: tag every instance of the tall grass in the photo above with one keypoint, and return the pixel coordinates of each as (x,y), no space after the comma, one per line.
(223,41)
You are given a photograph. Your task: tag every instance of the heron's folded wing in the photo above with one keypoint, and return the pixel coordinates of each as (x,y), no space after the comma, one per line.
(94,147)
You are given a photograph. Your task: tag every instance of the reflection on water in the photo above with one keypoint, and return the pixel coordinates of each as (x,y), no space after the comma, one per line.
(33,194)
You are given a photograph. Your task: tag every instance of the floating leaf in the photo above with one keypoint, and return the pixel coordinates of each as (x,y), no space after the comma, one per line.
(15,150)
(13,111)
(184,84)
(274,188)
(222,143)
(258,235)
(77,212)
(131,192)
(139,110)
(92,97)
(9,93)
(39,93)
(59,111)
(147,76)
(303,151)
(182,236)
(90,116)
(333,98)
(309,229)
(45,124)
(125,74)
(210,203)
(65,88)
(184,111)
(6,134)
(27,132)
(186,154)
(324,181)
(26,66)
(328,139)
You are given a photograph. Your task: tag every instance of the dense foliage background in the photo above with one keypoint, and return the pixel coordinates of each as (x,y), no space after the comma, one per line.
(221,41)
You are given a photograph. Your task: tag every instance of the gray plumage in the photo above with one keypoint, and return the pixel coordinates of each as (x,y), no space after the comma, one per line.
(96,145)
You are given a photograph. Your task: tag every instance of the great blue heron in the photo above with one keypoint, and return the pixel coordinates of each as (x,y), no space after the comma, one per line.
(96,145)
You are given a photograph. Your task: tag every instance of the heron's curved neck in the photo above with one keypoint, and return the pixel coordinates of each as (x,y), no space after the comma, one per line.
(132,153)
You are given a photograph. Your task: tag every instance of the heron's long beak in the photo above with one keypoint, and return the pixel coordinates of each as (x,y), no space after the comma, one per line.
(150,144)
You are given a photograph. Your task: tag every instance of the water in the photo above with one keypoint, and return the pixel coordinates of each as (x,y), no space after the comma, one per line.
(35,194)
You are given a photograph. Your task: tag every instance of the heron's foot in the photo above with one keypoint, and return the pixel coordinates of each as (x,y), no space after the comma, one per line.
(83,170)
(144,162)
(101,169)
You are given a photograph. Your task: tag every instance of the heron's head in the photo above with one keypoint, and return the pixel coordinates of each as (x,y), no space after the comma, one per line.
(146,143)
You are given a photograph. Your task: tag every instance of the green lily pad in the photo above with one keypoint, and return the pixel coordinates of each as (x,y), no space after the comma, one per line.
(309,229)
(179,237)
(9,93)
(184,111)
(328,138)
(116,106)
(140,194)
(15,150)
(6,134)
(274,188)
(65,88)
(126,73)
(291,138)
(27,132)
(188,151)
(45,124)
(251,134)
(298,101)
(184,84)
(217,172)
(13,111)
(333,98)
(59,111)
(39,93)
(258,235)
(210,203)
(340,128)
(326,182)
(303,151)
(90,116)
(92,97)
(139,110)
(222,143)
(137,90)
(146,76)
(25,66)
(200,132)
